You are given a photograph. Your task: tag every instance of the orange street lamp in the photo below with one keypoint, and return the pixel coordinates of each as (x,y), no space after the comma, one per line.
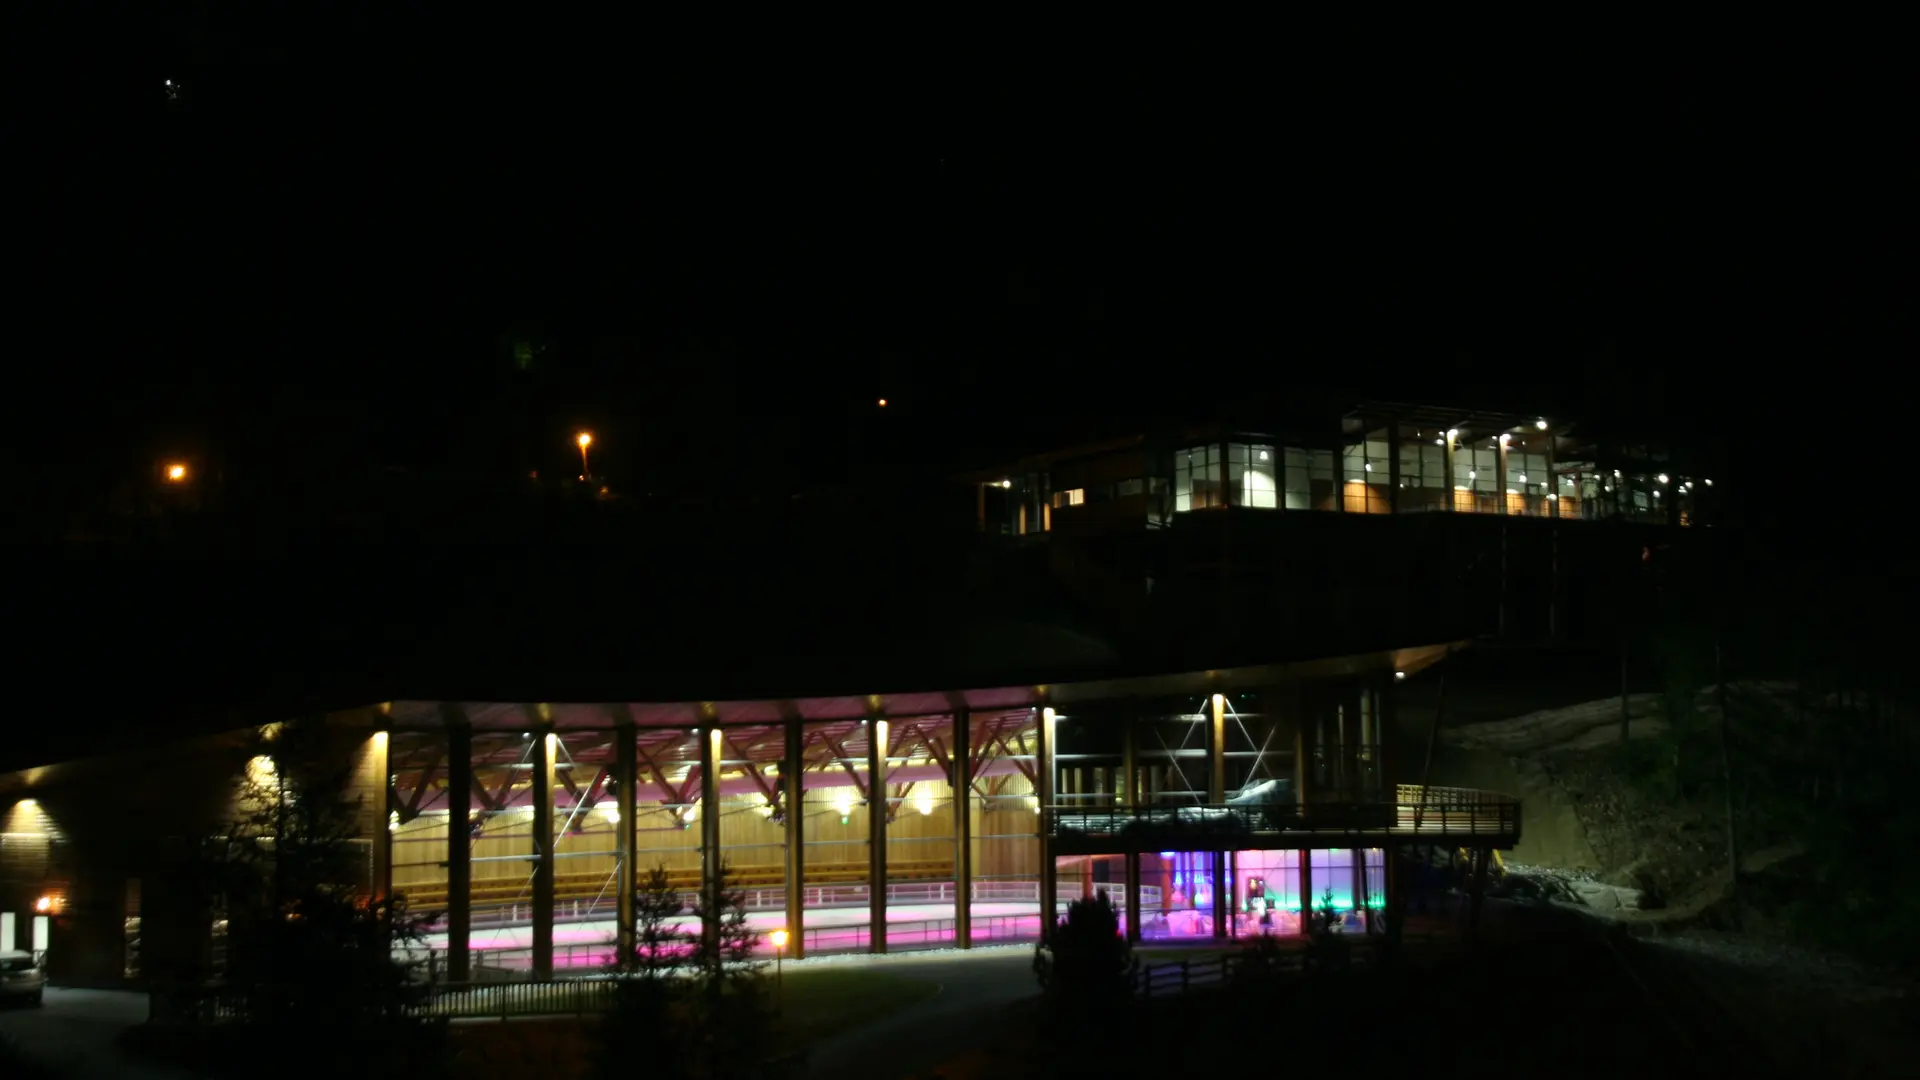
(176,473)
(585,439)
(883,403)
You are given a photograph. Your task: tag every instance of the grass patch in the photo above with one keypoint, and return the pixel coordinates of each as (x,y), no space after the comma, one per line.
(818,1004)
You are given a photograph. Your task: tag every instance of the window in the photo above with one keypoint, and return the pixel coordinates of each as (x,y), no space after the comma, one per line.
(1129,488)
(1251,468)
(1476,477)
(1309,480)
(1069,497)
(1423,474)
(1196,479)
(1159,506)
(1364,468)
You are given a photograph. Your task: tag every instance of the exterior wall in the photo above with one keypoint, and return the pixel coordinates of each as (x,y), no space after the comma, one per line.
(117,839)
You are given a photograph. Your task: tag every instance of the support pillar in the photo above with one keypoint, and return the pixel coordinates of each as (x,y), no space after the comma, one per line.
(379,766)
(712,868)
(962,784)
(1043,797)
(1129,793)
(1222,894)
(459,845)
(544,743)
(1217,796)
(626,781)
(1306,890)
(793,795)
(1133,897)
(1481,857)
(877,747)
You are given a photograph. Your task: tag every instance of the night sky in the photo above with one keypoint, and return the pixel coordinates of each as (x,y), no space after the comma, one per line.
(321,252)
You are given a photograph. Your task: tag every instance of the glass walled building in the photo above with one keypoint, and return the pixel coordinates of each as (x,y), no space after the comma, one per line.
(1379,459)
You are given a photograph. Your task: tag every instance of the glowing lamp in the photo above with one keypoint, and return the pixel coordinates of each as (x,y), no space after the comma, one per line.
(176,473)
(883,403)
(43,905)
(778,938)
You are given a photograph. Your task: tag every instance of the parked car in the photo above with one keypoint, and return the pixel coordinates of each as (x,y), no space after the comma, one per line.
(21,977)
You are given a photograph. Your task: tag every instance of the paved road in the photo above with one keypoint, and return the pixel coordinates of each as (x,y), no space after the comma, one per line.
(75,1033)
(975,986)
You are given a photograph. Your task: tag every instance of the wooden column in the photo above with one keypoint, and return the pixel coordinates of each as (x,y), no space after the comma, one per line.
(1216,796)
(544,744)
(1043,797)
(1217,751)
(877,745)
(961,780)
(712,868)
(379,771)
(793,792)
(626,781)
(459,844)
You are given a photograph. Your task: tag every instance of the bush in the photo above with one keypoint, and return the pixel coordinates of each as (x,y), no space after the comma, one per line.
(1327,948)
(1089,968)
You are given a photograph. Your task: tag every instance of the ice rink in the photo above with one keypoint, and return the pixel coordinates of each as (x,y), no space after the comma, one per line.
(828,930)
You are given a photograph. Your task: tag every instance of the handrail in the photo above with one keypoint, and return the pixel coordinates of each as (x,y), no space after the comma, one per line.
(1443,812)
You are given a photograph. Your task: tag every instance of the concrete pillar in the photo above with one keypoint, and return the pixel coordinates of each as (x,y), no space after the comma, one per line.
(877,747)
(1129,794)
(712,867)
(793,793)
(962,783)
(1043,794)
(626,781)
(544,745)
(459,845)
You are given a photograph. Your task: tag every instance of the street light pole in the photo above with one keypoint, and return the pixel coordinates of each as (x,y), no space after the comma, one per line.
(779,939)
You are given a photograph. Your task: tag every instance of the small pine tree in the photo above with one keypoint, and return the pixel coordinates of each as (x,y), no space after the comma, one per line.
(1327,947)
(659,944)
(736,1007)
(651,1004)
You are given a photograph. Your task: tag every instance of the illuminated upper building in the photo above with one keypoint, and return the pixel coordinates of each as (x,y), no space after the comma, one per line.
(1381,458)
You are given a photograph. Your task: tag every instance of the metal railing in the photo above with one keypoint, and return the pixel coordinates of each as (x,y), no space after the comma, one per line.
(1441,812)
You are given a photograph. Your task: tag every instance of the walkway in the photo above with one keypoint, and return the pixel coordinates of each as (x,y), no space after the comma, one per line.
(77,1033)
(976,987)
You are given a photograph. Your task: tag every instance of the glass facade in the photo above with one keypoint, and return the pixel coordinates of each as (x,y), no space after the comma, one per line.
(1197,483)
(1309,480)
(1365,472)
(1251,468)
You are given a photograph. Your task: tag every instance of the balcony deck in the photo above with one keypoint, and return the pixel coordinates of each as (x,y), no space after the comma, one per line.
(1461,816)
